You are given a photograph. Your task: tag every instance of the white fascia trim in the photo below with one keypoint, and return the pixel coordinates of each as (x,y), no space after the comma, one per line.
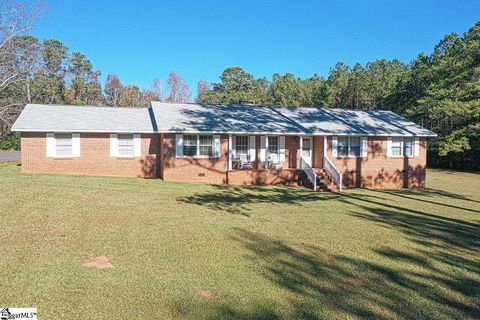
(296,134)
(329,134)
(81,131)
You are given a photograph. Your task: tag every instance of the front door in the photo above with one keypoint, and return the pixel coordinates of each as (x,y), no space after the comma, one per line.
(307,150)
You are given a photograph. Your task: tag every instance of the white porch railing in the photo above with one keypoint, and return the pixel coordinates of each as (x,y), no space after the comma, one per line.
(312,176)
(333,171)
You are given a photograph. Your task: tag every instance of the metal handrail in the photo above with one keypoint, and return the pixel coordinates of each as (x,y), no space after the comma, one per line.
(333,171)
(311,174)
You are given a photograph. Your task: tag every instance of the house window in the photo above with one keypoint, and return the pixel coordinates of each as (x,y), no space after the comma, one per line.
(402,147)
(306,148)
(348,147)
(397,147)
(189,145)
(273,145)
(197,145)
(125,145)
(408,147)
(241,145)
(206,146)
(63,144)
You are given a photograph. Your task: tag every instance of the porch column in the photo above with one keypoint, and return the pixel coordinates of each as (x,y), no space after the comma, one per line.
(324,150)
(300,152)
(266,153)
(229,152)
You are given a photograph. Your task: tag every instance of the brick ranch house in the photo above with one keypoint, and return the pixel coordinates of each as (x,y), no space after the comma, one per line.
(235,144)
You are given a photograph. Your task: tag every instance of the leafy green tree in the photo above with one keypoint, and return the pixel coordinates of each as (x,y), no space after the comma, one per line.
(85,87)
(132,96)
(49,83)
(236,85)
(452,100)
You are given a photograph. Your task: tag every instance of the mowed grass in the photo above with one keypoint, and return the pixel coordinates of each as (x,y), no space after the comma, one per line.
(204,251)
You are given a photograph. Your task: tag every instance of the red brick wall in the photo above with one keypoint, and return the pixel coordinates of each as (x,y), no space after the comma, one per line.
(193,169)
(380,171)
(262,177)
(376,171)
(94,157)
(317,160)
(292,155)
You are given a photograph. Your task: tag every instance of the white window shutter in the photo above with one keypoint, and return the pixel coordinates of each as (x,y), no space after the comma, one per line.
(113,145)
(262,147)
(281,141)
(334,146)
(364,147)
(252,141)
(417,147)
(234,147)
(216,146)
(75,144)
(179,145)
(137,145)
(389,146)
(50,144)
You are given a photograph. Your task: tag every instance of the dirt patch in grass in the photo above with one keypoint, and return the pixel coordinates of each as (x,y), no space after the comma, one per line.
(207,294)
(100,262)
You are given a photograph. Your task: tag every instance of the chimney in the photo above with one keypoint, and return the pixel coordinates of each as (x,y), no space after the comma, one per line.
(246,102)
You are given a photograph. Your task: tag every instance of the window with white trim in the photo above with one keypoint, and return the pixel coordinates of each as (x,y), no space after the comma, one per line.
(126,145)
(273,146)
(189,145)
(205,146)
(241,145)
(348,147)
(63,144)
(402,147)
(408,146)
(396,147)
(306,148)
(197,145)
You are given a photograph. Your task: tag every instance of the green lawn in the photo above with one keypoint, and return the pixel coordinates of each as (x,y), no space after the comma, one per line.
(205,251)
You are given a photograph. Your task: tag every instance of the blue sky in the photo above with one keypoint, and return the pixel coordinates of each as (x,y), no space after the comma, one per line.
(140,40)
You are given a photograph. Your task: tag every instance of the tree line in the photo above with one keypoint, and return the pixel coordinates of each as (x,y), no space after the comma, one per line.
(440,91)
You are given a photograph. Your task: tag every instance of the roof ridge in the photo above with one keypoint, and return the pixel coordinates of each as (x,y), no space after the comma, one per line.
(84,106)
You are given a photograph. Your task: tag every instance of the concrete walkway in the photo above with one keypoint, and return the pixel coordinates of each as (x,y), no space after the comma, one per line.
(9,155)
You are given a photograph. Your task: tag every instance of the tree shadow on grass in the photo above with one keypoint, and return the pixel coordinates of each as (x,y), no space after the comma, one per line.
(316,284)
(422,227)
(437,275)
(420,194)
(237,199)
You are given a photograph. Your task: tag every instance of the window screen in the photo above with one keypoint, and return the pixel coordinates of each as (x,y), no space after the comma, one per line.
(241,145)
(125,145)
(342,147)
(63,144)
(206,146)
(354,148)
(273,145)
(396,146)
(189,145)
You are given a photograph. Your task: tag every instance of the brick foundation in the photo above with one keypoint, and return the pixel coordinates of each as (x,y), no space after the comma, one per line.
(264,177)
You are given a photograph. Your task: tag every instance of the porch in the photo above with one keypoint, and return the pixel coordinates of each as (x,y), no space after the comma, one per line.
(286,160)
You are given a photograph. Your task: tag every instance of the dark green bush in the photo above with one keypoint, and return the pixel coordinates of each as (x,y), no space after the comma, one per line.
(10,142)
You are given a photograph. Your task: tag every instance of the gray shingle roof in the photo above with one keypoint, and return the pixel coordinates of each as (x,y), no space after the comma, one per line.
(174,117)
(58,118)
